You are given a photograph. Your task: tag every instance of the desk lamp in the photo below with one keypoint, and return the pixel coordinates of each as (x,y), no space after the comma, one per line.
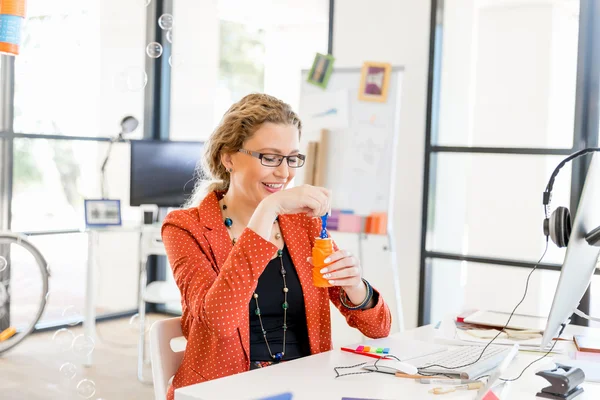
(128,125)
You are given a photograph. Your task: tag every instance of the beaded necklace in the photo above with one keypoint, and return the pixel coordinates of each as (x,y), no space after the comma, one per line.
(277,356)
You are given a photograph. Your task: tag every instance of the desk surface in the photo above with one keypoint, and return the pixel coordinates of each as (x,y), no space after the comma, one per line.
(313,378)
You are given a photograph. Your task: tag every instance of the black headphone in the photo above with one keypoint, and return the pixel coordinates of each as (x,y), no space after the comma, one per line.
(558,225)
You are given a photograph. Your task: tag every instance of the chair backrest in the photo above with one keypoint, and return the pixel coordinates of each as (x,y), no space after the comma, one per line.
(165,361)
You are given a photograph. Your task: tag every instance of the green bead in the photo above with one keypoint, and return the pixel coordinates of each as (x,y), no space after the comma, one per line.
(279,253)
(285,305)
(257,311)
(284,327)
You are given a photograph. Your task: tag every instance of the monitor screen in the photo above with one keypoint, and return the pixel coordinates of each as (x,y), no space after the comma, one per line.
(162,172)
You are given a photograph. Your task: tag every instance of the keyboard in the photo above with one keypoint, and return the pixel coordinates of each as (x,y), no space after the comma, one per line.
(462,355)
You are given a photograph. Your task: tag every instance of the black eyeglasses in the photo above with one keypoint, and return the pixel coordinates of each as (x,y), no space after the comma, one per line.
(275,160)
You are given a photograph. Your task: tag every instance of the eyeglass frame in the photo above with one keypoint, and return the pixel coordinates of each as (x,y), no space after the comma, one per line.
(260,156)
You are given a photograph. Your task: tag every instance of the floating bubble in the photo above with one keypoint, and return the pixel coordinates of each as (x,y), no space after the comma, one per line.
(134,322)
(86,388)
(63,339)
(166,22)
(170,36)
(3,263)
(68,370)
(83,345)
(154,50)
(147,2)
(3,294)
(73,316)
(132,79)
(175,60)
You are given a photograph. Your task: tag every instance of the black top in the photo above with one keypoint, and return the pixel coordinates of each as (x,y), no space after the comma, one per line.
(270,300)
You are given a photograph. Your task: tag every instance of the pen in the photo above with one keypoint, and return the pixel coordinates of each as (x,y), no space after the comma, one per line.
(418,377)
(362,353)
(439,381)
(470,386)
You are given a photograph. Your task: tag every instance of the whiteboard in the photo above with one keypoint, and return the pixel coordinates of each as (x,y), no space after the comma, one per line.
(362,139)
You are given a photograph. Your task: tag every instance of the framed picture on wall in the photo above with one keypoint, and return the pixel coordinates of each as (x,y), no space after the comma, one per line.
(374,81)
(103,212)
(321,70)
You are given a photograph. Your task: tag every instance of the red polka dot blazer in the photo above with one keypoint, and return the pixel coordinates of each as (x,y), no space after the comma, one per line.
(217,279)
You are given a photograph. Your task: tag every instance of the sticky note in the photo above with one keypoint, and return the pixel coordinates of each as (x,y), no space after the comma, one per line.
(367,349)
(490,396)
(386,350)
(360,348)
(379,350)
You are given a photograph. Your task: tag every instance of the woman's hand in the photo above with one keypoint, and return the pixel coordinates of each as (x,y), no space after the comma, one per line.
(312,200)
(345,271)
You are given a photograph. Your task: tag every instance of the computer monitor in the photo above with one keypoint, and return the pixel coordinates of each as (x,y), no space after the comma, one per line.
(581,258)
(162,172)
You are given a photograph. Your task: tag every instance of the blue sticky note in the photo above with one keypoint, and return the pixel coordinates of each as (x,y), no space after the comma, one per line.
(282,396)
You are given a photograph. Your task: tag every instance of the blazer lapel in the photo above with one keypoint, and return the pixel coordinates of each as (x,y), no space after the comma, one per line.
(216,233)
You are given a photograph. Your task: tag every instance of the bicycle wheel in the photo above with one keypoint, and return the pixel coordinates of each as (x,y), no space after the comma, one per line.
(24,277)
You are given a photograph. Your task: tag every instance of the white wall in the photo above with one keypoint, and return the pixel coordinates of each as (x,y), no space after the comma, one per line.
(396,31)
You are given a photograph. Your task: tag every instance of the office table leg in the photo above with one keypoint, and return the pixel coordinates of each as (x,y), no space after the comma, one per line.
(89,322)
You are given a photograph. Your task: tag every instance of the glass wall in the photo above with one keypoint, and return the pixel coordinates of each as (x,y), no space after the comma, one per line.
(83,67)
(504,115)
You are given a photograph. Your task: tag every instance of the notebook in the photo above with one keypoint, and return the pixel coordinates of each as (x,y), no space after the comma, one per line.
(499,319)
(587,343)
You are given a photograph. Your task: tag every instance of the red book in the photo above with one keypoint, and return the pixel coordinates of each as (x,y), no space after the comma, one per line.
(461,317)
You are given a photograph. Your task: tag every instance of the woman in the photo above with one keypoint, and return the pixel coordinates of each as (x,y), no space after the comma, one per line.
(241,257)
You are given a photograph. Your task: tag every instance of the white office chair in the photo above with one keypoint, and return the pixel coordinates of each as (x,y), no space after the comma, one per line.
(165,359)
(156,292)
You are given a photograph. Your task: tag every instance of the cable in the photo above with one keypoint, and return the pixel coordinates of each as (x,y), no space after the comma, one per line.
(533,362)
(562,164)
(507,322)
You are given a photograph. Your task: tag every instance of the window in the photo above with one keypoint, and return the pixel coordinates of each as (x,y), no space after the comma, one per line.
(241,64)
(503,117)
(71,76)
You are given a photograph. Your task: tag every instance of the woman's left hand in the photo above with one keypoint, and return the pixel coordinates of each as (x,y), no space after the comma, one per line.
(345,271)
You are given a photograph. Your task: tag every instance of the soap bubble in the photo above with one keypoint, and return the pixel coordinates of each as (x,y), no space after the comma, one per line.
(135,322)
(72,315)
(147,2)
(4,297)
(132,79)
(68,370)
(63,339)
(83,345)
(154,50)
(3,263)
(175,60)
(170,36)
(86,388)
(166,22)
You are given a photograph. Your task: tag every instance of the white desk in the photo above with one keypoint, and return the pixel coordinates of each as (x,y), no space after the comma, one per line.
(150,244)
(313,378)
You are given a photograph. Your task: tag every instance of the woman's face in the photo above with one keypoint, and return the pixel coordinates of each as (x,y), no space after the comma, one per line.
(252,180)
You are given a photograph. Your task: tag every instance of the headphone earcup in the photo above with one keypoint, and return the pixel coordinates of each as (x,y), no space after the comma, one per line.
(560,226)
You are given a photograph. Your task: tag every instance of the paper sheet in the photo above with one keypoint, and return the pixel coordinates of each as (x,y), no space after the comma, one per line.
(327,110)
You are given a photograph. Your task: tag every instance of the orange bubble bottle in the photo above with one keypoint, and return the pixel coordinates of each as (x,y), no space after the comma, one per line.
(12,14)
(322,249)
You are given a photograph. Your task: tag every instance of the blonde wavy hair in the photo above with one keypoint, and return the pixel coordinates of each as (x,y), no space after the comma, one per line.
(237,125)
